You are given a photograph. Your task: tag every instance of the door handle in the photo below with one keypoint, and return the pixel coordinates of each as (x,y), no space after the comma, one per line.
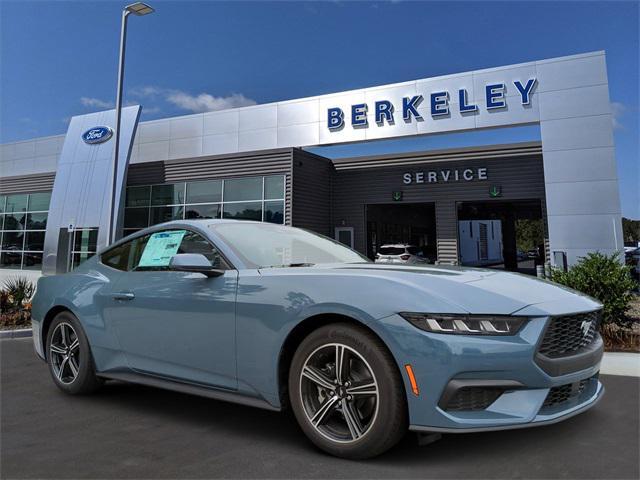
(123,296)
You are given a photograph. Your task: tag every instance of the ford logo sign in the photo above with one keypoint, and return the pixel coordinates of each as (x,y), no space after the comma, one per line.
(97,135)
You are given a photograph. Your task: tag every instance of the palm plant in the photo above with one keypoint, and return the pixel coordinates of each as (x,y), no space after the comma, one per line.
(19,290)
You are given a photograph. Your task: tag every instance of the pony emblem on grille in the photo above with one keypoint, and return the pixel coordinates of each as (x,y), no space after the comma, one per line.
(585,326)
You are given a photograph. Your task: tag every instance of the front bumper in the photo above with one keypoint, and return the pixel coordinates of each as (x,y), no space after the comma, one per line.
(538,421)
(438,360)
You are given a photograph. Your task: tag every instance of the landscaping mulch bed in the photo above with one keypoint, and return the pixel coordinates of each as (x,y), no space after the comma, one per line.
(15,320)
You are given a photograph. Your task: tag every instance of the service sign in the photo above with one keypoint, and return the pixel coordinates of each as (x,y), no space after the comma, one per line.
(445,175)
(97,135)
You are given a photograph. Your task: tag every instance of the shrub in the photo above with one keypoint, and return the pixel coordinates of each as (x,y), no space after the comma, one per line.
(605,278)
(18,290)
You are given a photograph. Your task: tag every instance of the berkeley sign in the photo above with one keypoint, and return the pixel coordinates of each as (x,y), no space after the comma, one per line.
(384,110)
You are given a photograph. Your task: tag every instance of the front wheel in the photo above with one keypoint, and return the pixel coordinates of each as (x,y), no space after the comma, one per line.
(346,392)
(69,356)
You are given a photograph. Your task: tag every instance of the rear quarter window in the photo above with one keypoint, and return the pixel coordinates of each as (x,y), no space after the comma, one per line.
(117,257)
(125,257)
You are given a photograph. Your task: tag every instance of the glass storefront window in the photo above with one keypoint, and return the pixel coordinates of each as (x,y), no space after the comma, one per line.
(167,194)
(16,203)
(37,221)
(165,214)
(204,192)
(203,211)
(23,221)
(274,187)
(12,240)
(32,261)
(84,244)
(39,202)
(240,189)
(274,212)
(138,196)
(85,240)
(251,198)
(14,221)
(11,259)
(243,211)
(136,217)
(34,241)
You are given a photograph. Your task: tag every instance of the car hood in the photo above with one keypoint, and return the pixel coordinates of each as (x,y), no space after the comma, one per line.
(480,291)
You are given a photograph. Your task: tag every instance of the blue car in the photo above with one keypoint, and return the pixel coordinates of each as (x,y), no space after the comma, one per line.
(281,318)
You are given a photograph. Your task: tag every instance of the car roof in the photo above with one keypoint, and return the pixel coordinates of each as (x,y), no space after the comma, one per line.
(397,245)
(203,222)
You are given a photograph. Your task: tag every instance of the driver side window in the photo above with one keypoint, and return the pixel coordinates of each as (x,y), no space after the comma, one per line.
(194,243)
(154,252)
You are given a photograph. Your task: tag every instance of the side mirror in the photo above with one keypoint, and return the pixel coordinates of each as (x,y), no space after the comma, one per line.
(194,262)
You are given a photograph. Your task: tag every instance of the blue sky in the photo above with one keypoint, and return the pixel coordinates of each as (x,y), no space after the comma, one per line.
(58,59)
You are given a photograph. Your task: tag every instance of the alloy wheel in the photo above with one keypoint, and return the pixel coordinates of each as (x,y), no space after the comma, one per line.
(64,352)
(339,393)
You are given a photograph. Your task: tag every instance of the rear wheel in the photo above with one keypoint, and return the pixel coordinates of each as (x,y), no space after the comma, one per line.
(69,356)
(346,392)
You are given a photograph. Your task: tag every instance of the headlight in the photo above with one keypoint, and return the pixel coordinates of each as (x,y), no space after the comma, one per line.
(465,324)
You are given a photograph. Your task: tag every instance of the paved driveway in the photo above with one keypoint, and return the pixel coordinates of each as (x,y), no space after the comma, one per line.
(128,431)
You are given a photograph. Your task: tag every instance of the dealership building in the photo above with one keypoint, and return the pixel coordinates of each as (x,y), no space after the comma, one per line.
(466,206)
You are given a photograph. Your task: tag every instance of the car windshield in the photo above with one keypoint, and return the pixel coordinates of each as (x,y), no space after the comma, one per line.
(265,245)
(391,250)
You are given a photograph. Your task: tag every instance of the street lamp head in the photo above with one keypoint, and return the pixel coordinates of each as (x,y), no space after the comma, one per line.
(139,9)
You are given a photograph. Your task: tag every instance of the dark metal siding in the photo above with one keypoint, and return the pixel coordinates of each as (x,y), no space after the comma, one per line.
(268,162)
(521,177)
(42,182)
(312,183)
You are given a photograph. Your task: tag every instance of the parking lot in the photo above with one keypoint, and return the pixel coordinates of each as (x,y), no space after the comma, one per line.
(129,431)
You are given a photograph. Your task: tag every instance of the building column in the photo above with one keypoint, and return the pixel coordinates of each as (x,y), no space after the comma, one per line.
(581,184)
(447,232)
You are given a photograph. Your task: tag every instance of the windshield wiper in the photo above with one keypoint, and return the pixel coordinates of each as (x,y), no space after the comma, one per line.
(288,265)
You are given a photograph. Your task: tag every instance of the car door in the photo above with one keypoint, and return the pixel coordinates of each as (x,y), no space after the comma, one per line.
(177,325)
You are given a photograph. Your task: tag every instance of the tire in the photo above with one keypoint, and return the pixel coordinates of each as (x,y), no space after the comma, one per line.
(364,413)
(69,356)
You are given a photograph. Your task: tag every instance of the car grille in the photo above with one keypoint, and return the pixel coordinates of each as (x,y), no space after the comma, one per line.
(566,392)
(568,334)
(473,398)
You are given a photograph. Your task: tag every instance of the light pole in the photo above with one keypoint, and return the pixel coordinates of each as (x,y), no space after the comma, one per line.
(138,9)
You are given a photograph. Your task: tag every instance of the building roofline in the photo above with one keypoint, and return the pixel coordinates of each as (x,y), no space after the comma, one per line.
(449,154)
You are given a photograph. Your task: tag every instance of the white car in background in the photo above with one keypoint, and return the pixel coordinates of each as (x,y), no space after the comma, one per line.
(400,253)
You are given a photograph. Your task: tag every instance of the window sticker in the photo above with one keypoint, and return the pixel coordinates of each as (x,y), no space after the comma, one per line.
(160,248)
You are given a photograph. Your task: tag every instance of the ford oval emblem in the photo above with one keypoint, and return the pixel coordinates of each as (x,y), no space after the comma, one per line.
(97,135)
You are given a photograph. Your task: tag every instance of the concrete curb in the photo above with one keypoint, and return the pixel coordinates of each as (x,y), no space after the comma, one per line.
(621,363)
(18,333)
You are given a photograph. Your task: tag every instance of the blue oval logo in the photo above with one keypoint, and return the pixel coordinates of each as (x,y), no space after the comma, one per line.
(97,135)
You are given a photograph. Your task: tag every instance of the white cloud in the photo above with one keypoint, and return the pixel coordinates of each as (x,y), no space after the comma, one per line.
(150,110)
(205,102)
(146,91)
(617,110)
(95,103)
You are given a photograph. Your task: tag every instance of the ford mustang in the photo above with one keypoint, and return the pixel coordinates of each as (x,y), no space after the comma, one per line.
(281,318)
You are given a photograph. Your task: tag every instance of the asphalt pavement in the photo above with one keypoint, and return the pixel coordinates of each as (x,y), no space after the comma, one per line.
(130,431)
